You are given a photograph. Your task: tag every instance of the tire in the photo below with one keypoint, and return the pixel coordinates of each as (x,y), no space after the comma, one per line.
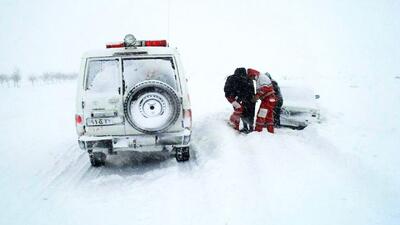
(152,107)
(182,154)
(97,159)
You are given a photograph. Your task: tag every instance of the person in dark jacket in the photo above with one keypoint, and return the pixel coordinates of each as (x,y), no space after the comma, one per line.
(279,102)
(239,91)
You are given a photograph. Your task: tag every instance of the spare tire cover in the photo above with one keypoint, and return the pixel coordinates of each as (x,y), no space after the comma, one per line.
(152,106)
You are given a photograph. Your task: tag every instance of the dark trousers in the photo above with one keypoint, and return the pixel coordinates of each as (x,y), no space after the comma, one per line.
(277,112)
(248,114)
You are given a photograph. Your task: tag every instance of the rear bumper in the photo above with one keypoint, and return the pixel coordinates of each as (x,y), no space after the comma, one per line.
(135,142)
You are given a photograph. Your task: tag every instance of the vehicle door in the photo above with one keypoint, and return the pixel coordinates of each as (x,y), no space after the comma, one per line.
(153,97)
(103,106)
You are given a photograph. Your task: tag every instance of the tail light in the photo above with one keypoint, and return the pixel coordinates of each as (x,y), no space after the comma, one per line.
(187,118)
(80,129)
(78,119)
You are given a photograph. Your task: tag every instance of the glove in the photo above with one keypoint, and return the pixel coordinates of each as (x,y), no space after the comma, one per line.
(230,99)
(272,99)
(236,105)
(238,111)
(255,99)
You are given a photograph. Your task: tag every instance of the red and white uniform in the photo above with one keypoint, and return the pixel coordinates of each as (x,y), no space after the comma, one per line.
(237,112)
(264,92)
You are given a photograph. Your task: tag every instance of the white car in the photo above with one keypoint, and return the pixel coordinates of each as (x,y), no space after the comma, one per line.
(300,107)
(133,96)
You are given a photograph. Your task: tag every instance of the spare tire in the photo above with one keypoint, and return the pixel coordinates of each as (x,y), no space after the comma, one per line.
(152,106)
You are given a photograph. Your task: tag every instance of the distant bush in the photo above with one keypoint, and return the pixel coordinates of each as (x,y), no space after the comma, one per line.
(4,79)
(32,79)
(46,78)
(16,77)
(57,77)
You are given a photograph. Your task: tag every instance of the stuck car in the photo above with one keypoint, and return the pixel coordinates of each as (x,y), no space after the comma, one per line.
(300,107)
(133,96)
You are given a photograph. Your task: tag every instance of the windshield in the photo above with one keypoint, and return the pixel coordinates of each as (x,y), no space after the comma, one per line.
(137,70)
(103,76)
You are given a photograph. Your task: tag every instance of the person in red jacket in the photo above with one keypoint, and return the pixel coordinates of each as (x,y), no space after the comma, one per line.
(264,92)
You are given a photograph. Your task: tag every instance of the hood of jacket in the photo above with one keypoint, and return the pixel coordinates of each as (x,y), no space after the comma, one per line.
(241,71)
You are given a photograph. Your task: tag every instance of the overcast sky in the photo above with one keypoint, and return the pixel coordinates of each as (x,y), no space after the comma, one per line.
(283,37)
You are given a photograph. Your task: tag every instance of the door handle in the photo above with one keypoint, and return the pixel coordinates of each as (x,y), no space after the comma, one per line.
(123,87)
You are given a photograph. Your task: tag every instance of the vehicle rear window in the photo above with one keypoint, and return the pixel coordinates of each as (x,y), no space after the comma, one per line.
(103,75)
(137,70)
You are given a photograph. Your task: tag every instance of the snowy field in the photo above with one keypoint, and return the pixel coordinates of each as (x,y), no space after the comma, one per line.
(345,170)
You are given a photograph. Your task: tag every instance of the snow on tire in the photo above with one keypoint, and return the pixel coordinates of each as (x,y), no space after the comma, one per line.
(151,106)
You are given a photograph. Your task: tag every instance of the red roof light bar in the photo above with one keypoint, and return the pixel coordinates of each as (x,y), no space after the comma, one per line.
(156,43)
(115,45)
(148,43)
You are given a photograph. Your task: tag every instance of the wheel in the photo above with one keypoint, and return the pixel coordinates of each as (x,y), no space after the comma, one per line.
(182,154)
(152,107)
(97,159)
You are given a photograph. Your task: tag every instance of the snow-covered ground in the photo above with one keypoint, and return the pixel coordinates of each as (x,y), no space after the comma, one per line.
(344,170)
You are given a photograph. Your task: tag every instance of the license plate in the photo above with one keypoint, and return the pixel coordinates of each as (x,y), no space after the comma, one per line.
(99,121)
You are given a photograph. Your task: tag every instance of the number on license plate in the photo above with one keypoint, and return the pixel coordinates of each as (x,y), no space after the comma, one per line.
(99,122)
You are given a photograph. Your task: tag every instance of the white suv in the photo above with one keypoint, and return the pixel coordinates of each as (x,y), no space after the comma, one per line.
(133,96)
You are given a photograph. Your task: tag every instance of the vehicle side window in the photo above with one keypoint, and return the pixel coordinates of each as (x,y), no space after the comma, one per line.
(142,69)
(103,75)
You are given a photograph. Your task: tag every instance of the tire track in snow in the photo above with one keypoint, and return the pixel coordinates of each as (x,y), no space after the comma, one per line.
(46,181)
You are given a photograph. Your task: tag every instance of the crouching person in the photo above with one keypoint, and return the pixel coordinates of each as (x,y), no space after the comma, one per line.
(264,92)
(239,91)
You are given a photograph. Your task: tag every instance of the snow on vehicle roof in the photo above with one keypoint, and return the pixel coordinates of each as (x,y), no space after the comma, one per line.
(149,51)
(299,97)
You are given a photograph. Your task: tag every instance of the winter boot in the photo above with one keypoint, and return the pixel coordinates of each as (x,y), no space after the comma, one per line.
(270,128)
